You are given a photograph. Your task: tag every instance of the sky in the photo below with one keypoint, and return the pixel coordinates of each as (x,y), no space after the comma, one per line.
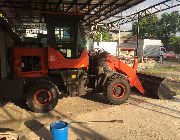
(146,4)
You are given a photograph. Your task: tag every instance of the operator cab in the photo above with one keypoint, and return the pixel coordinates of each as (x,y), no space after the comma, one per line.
(65,33)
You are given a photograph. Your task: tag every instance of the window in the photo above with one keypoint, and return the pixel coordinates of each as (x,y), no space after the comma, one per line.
(64,40)
(62,34)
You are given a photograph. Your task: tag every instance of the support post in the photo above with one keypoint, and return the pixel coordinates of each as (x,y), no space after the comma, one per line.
(119,41)
(137,35)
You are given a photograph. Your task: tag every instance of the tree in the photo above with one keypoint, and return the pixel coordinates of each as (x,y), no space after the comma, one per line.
(106,36)
(163,28)
(174,43)
(146,27)
(168,25)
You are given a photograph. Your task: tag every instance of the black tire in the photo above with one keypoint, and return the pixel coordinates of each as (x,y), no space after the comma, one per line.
(48,99)
(117,90)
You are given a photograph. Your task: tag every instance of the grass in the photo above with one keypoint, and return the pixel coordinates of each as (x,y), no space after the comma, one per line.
(164,68)
(170,60)
(168,69)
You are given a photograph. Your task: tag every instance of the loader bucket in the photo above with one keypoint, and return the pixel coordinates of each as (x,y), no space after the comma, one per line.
(155,86)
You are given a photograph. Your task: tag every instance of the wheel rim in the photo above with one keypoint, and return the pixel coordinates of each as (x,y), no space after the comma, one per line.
(118,91)
(42,97)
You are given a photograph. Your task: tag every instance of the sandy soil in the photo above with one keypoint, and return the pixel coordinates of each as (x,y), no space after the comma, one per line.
(90,117)
(168,70)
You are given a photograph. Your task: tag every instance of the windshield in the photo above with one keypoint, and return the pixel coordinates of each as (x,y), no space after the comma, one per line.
(62,34)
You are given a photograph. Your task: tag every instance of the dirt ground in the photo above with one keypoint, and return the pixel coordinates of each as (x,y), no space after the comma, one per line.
(91,118)
(168,70)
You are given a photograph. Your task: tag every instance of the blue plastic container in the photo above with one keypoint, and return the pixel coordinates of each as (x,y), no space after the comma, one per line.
(59,130)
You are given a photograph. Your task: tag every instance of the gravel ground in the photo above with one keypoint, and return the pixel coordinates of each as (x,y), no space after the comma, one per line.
(90,117)
(168,70)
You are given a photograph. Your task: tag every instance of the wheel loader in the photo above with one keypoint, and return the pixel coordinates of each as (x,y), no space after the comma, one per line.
(59,65)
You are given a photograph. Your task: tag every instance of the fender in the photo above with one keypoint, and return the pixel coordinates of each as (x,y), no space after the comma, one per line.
(120,67)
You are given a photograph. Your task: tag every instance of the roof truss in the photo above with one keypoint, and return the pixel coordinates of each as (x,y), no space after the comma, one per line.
(20,12)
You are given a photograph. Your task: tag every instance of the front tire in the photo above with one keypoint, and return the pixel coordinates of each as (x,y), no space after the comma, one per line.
(117,90)
(42,97)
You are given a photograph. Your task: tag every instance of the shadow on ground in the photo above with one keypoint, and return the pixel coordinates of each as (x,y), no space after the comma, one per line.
(39,129)
(3,102)
(158,107)
(100,98)
(3,130)
(95,97)
(80,129)
(21,103)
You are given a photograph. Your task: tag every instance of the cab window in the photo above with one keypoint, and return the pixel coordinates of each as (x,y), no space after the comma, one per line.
(62,34)
(64,40)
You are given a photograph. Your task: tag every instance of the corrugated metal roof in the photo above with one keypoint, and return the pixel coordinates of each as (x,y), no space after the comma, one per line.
(30,11)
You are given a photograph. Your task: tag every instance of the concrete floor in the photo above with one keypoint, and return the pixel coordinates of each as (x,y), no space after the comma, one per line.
(90,117)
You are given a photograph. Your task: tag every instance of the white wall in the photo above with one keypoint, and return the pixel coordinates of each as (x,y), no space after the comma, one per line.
(149,47)
(151,42)
(110,47)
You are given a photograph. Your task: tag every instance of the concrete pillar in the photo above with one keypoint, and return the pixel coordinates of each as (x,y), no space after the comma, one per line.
(3,54)
(5,43)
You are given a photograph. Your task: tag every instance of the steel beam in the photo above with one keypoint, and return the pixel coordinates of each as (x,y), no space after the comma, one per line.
(71,6)
(86,3)
(120,8)
(102,8)
(165,5)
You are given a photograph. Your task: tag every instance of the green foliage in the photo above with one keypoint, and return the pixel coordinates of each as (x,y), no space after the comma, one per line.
(163,28)
(97,36)
(146,27)
(174,42)
(106,36)
(169,24)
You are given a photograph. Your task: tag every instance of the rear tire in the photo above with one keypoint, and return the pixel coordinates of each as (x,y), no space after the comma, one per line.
(42,97)
(117,90)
